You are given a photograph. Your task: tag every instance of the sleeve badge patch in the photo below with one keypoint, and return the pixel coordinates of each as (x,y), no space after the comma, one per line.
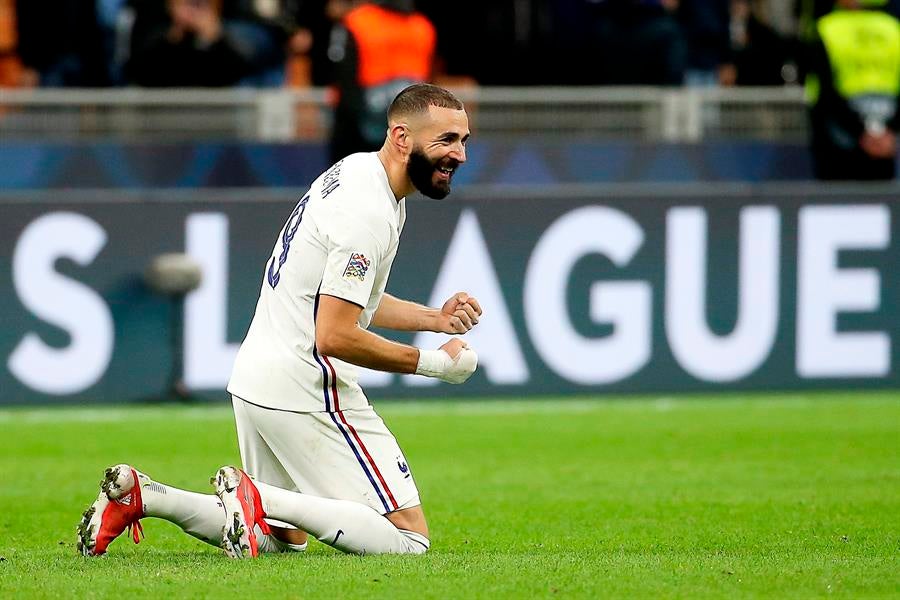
(357,266)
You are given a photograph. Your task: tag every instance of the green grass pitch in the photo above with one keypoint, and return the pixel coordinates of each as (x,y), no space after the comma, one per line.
(714,496)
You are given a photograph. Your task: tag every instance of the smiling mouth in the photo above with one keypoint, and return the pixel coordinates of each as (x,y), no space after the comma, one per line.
(446,172)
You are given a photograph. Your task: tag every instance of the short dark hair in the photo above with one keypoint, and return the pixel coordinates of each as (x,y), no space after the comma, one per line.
(416,99)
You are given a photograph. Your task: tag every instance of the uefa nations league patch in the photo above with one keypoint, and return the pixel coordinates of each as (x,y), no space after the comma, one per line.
(357,266)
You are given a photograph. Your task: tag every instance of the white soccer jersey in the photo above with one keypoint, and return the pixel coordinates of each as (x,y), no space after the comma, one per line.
(340,240)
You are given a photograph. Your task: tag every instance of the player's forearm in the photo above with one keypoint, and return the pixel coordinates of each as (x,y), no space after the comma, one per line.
(366,349)
(402,315)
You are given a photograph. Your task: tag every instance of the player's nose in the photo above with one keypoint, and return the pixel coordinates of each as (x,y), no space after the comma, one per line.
(458,153)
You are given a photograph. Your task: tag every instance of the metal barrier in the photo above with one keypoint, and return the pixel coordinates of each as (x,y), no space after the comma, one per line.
(554,113)
(160,115)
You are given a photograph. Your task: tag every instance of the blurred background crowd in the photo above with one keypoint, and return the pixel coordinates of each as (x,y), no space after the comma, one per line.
(162,43)
(365,51)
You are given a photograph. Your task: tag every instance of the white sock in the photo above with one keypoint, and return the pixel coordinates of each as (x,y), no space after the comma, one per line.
(348,526)
(270,544)
(200,515)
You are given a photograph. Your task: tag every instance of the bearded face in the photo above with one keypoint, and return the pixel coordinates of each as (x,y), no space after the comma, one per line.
(431,176)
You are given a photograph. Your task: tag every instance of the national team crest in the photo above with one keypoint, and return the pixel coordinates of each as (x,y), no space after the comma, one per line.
(357,266)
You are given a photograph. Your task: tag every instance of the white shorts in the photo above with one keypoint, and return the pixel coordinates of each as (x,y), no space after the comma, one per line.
(346,455)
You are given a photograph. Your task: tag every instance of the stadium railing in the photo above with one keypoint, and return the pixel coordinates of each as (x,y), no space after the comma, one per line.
(548,113)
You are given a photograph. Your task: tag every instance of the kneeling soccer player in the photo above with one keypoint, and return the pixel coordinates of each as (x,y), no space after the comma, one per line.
(319,459)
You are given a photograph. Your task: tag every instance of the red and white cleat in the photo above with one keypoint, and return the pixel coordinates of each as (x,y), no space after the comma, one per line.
(243,510)
(117,508)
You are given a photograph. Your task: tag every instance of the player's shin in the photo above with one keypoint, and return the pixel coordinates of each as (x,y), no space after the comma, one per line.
(200,515)
(348,526)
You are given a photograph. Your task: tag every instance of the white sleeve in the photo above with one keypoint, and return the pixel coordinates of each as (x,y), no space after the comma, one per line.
(354,254)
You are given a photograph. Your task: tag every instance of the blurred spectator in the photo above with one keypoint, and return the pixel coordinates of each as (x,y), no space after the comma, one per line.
(309,24)
(781,16)
(574,47)
(377,49)
(115,19)
(762,56)
(517,43)
(300,23)
(12,73)
(706,25)
(60,41)
(275,28)
(638,42)
(189,43)
(810,11)
(853,85)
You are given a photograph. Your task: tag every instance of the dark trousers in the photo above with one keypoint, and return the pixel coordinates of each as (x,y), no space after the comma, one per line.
(649,51)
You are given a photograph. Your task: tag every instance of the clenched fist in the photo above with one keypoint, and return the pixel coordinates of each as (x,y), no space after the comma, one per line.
(460,313)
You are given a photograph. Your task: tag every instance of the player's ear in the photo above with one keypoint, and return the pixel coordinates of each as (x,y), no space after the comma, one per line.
(399,136)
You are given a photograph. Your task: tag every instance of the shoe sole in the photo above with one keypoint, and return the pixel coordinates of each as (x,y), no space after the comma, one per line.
(110,487)
(87,528)
(115,481)
(236,533)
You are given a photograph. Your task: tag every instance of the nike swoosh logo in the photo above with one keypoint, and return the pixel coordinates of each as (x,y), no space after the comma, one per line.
(339,534)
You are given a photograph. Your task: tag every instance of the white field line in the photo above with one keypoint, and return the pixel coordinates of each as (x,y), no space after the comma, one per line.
(119,413)
(220,413)
(112,415)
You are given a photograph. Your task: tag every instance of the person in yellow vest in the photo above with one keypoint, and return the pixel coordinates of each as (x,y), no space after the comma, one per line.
(379,48)
(853,84)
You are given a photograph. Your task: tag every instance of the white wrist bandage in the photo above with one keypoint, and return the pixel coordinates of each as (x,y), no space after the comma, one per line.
(437,363)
